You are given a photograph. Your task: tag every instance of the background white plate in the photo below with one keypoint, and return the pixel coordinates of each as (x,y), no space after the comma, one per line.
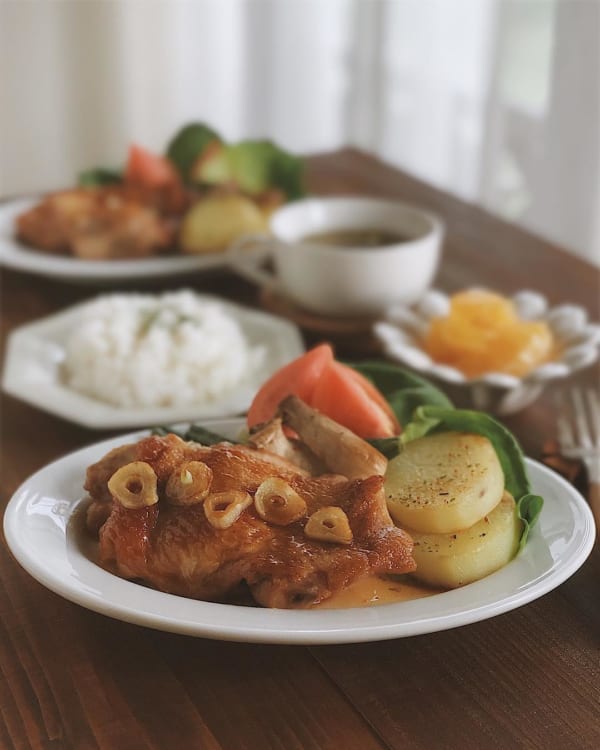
(45,535)
(18,256)
(35,353)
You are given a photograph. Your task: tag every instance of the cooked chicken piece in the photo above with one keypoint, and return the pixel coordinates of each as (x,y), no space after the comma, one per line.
(271,437)
(179,549)
(165,455)
(167,200)
(50,225)
(341,450)
(125,230)
(96,483)
(117,221)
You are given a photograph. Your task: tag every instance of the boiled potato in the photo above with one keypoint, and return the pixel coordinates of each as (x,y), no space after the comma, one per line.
(217,220)
(451,560)
(443,483)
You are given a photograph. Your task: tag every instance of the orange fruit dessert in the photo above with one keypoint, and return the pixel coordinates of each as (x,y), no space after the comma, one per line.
(483,333)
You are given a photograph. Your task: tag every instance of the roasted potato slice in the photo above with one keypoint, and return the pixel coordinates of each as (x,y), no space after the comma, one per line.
(452,560)
(217,220)
(444,482)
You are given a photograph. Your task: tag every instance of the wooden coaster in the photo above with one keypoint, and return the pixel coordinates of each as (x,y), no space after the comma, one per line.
(350,336)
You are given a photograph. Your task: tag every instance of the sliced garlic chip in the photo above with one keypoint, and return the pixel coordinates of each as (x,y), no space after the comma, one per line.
(223,509)
(329,524)
(278,503)
(189,483)
(134,485)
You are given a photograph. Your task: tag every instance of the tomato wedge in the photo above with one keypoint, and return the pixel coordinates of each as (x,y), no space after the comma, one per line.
(346,397)
(376,395)
(331,387)
(299,378)
(148,169)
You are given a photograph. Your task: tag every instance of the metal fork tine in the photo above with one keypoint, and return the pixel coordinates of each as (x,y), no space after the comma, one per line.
(581,421)
(565,433)
(594,404)
(578,424)
(566,437)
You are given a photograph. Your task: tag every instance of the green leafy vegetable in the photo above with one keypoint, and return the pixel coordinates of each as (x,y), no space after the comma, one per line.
(418,428)
(203,158)
(287,173)
(162,430)
(188,144)
(200,434)
(390,447)
(431,419)
(99,176)
(195,432)
(212,166)
(257,166)
(253,166)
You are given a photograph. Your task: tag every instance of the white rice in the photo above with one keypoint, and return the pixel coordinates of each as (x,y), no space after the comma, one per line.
(175,349)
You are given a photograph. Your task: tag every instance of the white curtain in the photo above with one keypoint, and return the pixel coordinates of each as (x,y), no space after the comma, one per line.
(493,100)
(429,93)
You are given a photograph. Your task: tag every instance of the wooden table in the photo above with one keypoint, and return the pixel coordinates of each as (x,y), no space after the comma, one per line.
(527,679)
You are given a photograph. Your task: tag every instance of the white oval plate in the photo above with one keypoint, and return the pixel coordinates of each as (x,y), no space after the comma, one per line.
(14,254)
(46,536)
(35,353)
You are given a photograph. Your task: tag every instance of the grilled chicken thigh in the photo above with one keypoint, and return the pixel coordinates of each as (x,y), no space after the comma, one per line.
(340,528)
(117,221)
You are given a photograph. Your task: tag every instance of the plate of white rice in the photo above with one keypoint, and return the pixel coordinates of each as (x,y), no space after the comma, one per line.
(133,360)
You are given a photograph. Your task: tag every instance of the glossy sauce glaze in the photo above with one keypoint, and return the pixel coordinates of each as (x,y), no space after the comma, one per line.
(371,590)
(366,591)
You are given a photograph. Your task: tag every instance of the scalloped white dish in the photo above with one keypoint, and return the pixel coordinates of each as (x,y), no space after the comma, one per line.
(35,354)
(578,342)
(14,254)
(44,532)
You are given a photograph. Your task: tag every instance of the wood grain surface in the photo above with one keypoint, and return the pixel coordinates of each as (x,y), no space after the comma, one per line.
(70,678)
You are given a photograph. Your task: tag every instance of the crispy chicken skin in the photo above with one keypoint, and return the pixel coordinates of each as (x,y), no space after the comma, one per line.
(97,475)
(117,221)
(177,550)
(165,455)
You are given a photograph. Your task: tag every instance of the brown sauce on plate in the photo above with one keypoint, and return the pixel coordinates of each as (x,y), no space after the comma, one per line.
(371,590)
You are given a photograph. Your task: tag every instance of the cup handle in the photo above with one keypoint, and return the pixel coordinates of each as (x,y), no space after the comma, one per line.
(246,254)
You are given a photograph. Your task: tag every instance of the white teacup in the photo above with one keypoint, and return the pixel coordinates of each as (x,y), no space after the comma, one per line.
(344,281)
